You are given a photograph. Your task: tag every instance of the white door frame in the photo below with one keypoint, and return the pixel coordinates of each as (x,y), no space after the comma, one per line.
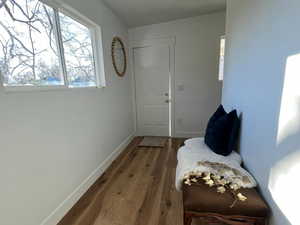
(169,41)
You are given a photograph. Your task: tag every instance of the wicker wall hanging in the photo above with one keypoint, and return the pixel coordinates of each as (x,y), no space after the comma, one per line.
(118,54)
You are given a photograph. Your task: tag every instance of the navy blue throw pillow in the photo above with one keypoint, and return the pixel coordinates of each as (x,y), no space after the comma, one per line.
(219,113)
(234,134)
(210,130)
(222,131)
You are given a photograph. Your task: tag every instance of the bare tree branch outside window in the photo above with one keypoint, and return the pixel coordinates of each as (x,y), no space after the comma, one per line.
(78,51)
(29,53)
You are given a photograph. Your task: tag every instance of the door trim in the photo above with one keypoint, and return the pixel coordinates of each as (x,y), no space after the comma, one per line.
(171,42)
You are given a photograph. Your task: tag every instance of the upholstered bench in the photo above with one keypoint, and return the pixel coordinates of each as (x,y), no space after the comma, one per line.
(204,202)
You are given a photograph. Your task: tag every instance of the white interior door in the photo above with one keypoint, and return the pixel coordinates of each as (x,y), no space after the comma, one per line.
(152,79)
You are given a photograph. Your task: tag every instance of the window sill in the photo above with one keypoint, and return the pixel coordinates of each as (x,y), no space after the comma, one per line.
(14,89)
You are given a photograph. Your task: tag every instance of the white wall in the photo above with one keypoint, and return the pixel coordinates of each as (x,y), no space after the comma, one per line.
(196,67)
(52,141)
(262,78)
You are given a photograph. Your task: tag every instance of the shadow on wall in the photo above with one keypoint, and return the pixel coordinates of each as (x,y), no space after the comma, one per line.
(284,182)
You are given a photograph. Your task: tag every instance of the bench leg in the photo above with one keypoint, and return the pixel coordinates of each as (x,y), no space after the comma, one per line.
(187,219)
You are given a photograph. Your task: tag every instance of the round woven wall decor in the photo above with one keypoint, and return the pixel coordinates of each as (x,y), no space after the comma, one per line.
(118,54)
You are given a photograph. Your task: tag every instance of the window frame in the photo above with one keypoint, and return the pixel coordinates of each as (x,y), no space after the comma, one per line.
(97,48)
(221,58)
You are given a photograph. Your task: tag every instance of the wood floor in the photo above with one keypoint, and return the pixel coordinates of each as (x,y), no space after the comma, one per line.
(137,189)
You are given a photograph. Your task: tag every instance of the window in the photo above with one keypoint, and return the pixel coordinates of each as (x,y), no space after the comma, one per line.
(48,45)
(221,59)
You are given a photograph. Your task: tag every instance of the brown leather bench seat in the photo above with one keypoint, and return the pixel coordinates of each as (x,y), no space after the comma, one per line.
(204,200)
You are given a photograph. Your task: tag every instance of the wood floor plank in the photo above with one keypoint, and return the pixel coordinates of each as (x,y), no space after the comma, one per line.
(123,186)
(137,189)
(87,208)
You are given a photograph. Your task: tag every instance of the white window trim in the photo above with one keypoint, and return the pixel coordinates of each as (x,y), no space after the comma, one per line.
(221,67)
(97,46)
(13,89)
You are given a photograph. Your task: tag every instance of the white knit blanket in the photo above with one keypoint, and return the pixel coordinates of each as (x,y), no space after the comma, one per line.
(195,151)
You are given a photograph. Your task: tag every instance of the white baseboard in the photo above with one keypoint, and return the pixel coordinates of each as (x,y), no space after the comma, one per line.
(70,201)
(187,134)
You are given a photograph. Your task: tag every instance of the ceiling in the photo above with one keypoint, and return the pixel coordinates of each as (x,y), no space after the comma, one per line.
(144,12)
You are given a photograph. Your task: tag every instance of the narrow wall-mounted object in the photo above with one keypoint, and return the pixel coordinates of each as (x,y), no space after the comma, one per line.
(118,54)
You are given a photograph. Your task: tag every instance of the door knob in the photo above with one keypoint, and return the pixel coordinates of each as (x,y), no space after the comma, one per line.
(166,94)
(167,101)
